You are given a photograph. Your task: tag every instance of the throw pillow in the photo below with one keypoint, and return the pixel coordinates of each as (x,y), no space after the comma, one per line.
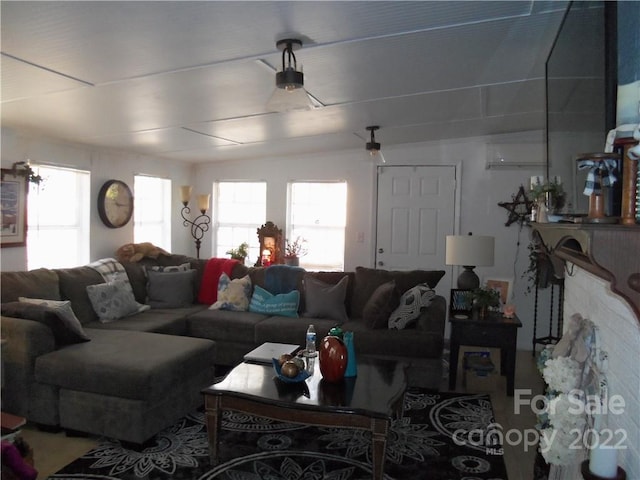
(171,288)
(169,268)
(324,300)
(284,304)
(411,303)
(113,300)
(63,332)
(379,307)
(64,311)
(233,294)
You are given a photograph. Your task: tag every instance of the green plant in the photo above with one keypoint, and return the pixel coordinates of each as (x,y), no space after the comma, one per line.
(539,269)
(239,253)
(550,192)
(297,248)
(23,169)
(483,297)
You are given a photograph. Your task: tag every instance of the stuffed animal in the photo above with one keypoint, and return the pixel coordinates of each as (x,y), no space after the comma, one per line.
(134,252)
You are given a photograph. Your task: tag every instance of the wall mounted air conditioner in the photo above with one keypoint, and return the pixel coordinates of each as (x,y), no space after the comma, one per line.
(515,155)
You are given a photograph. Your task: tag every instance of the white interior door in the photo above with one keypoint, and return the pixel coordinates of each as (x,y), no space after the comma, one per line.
(416,211)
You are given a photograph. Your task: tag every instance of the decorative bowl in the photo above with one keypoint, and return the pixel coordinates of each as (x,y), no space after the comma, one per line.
(301,377)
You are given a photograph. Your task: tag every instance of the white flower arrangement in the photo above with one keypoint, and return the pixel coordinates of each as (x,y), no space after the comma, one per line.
(562,374)
(562,421)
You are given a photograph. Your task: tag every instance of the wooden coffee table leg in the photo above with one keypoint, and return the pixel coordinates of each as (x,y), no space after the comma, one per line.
(379,430)
(213,415)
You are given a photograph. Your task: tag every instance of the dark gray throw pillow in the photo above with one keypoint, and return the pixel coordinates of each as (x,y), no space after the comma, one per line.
(379,307)
(171,289)
(63,332)
(323,300)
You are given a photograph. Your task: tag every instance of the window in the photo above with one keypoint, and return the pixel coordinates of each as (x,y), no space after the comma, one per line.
(240,209)
(152,211)
(59,214)
(318,214)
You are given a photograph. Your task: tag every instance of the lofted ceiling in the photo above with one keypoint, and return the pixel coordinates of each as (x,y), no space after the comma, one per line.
(190,81)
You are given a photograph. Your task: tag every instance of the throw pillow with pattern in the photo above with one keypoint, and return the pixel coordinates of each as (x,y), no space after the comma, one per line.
(411,304)
(113,300)
(284,304)
(233,294)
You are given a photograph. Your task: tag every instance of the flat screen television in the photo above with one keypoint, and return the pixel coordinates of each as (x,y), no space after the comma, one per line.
(580,92)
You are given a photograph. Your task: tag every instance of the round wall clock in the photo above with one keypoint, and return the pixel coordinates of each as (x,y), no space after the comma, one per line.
(115,204)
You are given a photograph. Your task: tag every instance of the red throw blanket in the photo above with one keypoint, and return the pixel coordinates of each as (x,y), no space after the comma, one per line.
(215,267)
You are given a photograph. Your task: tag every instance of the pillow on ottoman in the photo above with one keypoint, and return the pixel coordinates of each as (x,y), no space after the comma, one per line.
(382,303)
(411,303)
(324,300)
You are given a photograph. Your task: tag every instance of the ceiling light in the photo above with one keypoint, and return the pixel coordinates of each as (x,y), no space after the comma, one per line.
(372,146)
(289,93)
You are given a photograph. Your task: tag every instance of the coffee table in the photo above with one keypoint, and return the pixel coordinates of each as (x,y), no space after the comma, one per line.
(368,401)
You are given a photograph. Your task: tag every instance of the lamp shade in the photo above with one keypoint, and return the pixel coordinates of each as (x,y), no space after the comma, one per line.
(474,250)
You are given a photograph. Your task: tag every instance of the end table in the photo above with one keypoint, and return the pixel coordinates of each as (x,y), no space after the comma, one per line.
(494,331)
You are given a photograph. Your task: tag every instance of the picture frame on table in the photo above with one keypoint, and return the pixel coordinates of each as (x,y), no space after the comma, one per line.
(502,285)
(13,199)
(460,303)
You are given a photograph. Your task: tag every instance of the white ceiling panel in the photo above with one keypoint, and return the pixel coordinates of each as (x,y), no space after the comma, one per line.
(184,80)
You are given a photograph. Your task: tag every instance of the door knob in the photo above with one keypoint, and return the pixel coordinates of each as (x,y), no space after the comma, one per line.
(381,250)
(380,264)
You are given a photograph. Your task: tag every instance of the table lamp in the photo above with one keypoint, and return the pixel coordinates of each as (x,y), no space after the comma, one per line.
(469,251)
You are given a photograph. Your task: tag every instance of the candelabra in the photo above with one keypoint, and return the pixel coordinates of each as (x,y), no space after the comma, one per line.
(200,225)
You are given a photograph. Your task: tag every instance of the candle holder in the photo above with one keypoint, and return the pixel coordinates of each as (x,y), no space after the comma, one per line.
(587,475)
(200,225)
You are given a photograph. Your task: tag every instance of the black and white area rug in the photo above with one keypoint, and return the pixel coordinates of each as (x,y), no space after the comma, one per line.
(441,436)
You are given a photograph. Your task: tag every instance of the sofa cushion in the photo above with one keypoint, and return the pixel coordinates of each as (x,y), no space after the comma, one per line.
(73,287)
(324,300)
(411,304)
(290,330)
(65,330)
(225,325)
(285,304)
(368,279)
(395,343)
(170,288)
(113,300)
(38,283)
(172,321)
(233,294)
(140,366)
(381,304)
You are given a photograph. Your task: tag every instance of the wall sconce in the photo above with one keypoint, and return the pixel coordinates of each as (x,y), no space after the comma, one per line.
(200,224)
(469,251)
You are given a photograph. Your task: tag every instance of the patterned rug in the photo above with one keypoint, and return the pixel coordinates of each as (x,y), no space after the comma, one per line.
(440,436)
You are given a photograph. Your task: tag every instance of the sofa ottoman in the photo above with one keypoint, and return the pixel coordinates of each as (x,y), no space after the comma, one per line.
(125,384)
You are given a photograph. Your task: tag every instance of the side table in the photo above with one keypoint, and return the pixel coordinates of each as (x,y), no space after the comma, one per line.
(495,331)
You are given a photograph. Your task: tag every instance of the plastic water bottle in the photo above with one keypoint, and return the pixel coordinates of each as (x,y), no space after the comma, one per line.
(311,341)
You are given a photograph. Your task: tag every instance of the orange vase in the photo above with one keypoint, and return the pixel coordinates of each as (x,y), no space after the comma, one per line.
(333,358)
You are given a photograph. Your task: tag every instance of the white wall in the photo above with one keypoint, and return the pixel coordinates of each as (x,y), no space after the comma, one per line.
(619,333)
(104,165)
(477,211)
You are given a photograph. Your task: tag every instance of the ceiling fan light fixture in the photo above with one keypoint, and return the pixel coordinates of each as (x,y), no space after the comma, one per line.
(289,78)
(372,146)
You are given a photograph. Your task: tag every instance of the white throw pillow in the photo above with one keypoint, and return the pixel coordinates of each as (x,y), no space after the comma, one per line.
(411,304)
(233,294)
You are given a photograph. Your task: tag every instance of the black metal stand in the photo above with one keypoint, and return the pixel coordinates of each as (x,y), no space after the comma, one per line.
(550,338)
(198,226)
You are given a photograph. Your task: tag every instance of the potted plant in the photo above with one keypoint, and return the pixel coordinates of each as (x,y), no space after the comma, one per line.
(239,253)
(483,298)
(294,250)
(549,194)
(540,269)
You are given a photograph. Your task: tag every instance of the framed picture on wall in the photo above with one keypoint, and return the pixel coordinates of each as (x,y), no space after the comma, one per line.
(502,285)
(13,193)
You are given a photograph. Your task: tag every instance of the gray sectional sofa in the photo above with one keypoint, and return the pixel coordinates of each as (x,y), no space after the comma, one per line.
(129,378)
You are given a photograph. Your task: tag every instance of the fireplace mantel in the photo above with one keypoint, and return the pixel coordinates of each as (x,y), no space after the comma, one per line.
(611,252)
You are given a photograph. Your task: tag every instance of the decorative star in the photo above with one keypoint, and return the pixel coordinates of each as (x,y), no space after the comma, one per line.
(518,208)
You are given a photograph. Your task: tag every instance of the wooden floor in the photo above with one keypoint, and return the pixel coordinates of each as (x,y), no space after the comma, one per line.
(54,451)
